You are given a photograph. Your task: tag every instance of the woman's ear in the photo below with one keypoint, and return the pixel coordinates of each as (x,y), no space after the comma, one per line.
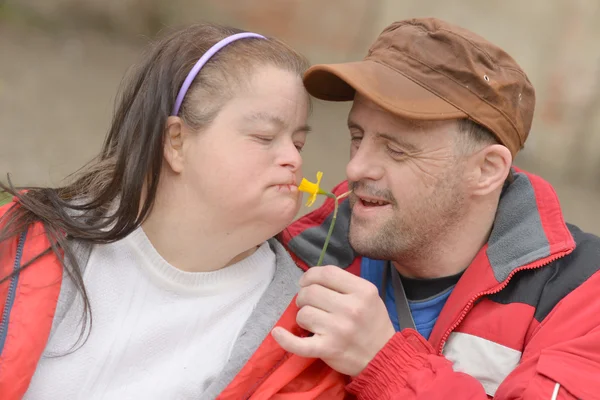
(490,166)
(173,148)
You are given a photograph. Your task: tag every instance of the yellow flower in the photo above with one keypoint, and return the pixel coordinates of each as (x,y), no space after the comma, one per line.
(312,188)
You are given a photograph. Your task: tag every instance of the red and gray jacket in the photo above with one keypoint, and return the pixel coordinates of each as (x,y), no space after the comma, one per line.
(523,322)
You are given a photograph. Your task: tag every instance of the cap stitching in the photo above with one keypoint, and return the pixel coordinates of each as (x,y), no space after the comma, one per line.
(422,85)
(391,105)
(429,32)
(421,27)
(472,44)
(490,59)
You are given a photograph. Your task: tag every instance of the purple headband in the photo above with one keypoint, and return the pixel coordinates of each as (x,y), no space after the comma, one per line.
(203,60)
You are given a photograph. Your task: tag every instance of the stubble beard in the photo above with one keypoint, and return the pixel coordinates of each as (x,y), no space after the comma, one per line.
(414,231)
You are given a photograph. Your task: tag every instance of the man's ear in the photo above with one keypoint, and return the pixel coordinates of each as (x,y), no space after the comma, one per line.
(173,148)
(489,168)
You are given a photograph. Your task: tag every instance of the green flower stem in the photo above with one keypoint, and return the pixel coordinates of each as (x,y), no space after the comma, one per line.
(335,211)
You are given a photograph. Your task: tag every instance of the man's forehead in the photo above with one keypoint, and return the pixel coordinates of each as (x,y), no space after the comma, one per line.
(362,102)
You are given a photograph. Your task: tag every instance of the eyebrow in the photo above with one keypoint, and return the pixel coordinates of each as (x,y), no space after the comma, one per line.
(275,120)
(392,138)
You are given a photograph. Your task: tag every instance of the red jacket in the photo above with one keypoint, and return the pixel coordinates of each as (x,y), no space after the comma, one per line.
(523,322)
(28,303)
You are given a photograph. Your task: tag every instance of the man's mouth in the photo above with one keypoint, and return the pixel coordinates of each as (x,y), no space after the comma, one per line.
(370,202)
(373,203)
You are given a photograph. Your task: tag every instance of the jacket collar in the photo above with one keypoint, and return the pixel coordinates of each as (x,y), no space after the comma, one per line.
(529,227)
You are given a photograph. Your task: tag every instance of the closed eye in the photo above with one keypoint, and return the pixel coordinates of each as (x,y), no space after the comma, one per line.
(355,139)
(263,139)
(395,153)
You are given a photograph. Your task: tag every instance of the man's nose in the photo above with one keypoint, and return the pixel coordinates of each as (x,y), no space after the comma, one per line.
(365,163)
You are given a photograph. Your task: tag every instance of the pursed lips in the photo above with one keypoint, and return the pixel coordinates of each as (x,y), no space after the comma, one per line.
(289,185)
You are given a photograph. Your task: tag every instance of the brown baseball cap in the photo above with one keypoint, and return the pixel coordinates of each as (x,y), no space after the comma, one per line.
(429,69)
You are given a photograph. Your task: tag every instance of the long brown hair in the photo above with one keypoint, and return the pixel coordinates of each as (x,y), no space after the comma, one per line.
(112,195)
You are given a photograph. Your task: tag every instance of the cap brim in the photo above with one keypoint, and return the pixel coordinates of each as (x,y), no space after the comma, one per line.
(382,85)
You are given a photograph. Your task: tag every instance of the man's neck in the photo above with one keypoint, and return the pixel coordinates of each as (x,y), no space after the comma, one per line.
(452,253)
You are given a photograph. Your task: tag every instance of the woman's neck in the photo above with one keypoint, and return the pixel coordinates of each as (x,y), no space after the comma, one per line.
(196,246)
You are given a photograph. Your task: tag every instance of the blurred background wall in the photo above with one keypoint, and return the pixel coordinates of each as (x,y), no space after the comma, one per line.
(61,62)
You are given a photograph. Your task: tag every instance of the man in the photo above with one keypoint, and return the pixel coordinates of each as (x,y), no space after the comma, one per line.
(471,284)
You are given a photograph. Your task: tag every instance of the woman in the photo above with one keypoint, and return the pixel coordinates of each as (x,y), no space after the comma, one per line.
(152,275)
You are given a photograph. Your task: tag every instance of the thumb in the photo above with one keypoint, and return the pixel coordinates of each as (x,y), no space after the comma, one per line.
(302,346)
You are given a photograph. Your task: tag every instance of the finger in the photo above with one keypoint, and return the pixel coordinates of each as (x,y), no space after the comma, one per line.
(304,347)
(334,278)
(314,320)
(320,297)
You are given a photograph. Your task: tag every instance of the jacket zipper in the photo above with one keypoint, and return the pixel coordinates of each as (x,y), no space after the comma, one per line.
(12,290)
(497,289)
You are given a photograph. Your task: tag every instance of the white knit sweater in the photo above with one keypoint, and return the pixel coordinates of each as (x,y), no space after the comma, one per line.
(158,332)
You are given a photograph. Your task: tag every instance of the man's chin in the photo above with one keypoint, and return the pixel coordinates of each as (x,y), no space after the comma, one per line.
(366,239)
(362,243)
(368,250)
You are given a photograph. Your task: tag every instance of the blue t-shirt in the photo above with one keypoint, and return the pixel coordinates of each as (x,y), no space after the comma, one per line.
(424,312)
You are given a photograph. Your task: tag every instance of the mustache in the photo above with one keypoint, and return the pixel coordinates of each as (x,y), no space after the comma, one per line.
(366,189)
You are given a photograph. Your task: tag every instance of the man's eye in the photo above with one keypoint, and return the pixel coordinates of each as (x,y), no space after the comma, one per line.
(394,152)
